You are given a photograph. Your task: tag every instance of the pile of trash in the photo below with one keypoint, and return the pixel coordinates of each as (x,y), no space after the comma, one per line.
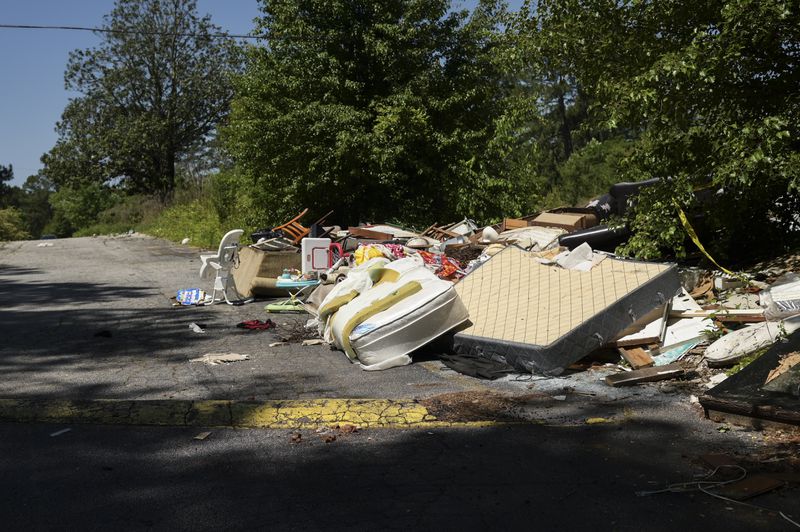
(538,294)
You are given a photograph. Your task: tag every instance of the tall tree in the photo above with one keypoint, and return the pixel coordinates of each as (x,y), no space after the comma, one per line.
(381,110)
(6,175)
(153,93)
(710,91)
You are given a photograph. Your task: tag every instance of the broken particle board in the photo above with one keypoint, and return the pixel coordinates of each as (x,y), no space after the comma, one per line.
(544,318)
(636,376)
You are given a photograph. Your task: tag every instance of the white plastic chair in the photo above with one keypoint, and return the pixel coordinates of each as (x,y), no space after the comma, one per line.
(220,264)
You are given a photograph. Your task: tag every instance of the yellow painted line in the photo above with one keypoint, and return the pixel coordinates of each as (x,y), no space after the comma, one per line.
(295,414)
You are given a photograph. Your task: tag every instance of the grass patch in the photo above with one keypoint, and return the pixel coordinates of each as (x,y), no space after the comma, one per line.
(104,228)
(195,219)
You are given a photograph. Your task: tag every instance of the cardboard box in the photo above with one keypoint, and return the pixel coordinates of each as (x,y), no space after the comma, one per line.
(564,220)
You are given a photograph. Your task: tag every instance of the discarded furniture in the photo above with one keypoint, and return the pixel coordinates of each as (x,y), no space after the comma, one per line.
(293,229)
(439,233)
(297,289)
(220,264)
(386,311)
(544,318)
(258,271)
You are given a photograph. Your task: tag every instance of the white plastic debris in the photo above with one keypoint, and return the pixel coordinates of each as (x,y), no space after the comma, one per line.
(730,348)
(782,299)
(215,359)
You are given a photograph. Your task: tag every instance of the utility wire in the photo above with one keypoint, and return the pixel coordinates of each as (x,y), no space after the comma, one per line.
(139,32)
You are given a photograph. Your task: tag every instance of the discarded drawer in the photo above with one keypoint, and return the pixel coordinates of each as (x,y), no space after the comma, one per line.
(543,318)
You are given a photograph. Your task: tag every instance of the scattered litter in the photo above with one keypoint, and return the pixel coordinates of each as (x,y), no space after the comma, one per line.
(202,436)
(330,438)
(297,437)
(59,432)
(215,359)
(45,245)
(257,325)
(196,328)
(191,296)
(278,344)
(315,341)
(560,397)
(597,420)
(185,241)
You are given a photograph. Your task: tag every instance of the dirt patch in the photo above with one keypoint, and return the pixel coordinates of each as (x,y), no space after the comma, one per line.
(295,332)
(477,406)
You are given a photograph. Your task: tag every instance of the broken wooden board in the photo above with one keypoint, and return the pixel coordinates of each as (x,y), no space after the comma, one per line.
(637,357)
(513,223)
(723,315)
(360,232)
(673,332)
(634,342)
(743,393)
(645,375)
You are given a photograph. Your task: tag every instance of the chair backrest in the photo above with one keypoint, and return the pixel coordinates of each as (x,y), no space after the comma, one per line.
(294,229)
(228,245)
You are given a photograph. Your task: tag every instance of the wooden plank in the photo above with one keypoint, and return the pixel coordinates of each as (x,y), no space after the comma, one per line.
(723,315)
(637,357)
(656,373)
(634,342)
(361,232)
(514,223)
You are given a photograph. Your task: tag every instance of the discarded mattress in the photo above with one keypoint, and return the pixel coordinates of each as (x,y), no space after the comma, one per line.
(544,318)
(405,308)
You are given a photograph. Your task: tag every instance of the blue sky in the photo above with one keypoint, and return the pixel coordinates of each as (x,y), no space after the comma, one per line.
(32,62)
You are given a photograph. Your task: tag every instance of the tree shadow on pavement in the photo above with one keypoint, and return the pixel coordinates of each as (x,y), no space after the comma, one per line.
(493,478)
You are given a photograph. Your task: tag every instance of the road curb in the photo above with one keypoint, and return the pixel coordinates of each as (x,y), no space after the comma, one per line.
(295,414)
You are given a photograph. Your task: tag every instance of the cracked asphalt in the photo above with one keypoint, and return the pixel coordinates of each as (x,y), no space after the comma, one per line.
(557,473)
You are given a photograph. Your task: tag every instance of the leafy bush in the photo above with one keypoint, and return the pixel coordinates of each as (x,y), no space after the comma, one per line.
(12,225)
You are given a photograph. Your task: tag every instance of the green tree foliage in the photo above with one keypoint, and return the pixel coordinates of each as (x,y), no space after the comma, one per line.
(548,118)
(380,110)
(710,91)
(78,206)
(12,225)
(152,94)
(6,190)
(34,203)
